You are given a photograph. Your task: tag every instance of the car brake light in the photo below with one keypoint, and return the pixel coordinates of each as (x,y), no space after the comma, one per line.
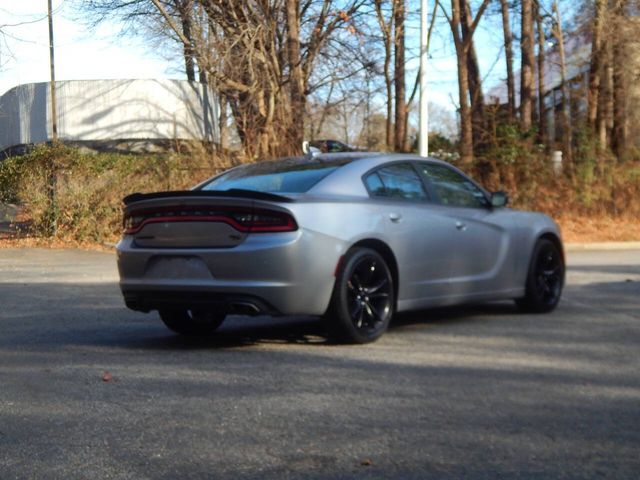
(270,221)
(243,220)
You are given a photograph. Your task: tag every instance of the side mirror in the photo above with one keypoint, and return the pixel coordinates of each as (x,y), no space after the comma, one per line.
(499,199)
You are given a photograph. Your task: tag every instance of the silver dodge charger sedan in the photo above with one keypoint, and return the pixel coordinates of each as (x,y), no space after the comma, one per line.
(352,237)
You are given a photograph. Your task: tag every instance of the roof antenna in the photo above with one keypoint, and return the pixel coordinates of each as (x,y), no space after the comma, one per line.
(310,151)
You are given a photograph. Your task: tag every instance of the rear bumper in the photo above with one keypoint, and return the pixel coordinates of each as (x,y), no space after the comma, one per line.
(288,273)
(239,304)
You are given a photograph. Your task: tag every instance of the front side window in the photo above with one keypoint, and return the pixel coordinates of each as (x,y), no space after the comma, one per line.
(396,181)
(451,188)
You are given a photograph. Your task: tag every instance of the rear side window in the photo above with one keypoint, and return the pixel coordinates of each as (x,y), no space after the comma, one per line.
(293,175)
(289,182)
(396,181)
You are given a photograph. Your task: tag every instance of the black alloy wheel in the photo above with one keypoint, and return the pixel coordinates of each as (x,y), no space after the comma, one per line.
(192,322)
(544,280)
(363,298)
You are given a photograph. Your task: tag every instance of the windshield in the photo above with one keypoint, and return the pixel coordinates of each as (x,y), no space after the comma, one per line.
(290,175)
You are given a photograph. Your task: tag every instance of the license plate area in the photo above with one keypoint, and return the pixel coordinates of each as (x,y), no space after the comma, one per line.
(177,267)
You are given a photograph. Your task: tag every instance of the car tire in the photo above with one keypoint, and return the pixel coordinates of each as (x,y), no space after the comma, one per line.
(192,322)
(545,279)
(363,299)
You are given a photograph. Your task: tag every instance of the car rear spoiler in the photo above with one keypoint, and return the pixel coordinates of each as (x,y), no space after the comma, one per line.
(231,193)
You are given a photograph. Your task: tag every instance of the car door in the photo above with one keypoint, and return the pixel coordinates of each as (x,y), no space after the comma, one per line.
(479,245)
(418,237)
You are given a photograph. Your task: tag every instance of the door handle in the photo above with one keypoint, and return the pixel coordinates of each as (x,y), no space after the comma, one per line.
(461,226)
(395,217)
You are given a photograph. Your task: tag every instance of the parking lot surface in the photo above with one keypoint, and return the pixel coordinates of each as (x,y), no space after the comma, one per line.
(90,390)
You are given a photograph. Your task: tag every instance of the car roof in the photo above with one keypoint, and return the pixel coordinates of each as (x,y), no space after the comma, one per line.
(349,166)
(371,157)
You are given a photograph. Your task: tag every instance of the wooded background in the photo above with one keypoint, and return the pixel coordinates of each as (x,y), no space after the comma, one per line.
(289,70)
(294,70)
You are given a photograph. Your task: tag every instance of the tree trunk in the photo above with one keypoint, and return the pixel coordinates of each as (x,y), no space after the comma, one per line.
(595,70)
(478,124)
(542,114)
(388,81)
(389,120)
(325,112)
(399,76)
(202,76)
(222,120)
(605,97)
(185,17)
(296,78)
(619,132)
(508,49)
(528,61)
(567,128)
(462,51)
(466,121)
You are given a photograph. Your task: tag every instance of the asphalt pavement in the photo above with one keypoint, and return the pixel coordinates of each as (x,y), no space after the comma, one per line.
(90,390)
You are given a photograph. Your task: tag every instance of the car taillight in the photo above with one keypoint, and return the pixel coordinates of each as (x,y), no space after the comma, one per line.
(243,220)
(270,221)
(132,223)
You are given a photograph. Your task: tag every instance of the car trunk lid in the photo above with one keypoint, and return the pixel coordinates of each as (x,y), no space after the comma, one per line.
(203,219)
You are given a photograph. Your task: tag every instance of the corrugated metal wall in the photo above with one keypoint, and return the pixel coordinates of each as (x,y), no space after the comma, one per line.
(97,110)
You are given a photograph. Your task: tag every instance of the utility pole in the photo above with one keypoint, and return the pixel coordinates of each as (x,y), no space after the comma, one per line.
(54,113)
(53,180)
(423,135)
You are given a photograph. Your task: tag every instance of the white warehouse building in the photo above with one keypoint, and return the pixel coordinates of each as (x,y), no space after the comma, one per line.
(120,114)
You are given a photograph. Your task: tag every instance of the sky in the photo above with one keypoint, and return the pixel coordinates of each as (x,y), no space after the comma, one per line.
(82,52)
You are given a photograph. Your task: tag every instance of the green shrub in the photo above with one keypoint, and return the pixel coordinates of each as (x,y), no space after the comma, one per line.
(87,188)
(595,183)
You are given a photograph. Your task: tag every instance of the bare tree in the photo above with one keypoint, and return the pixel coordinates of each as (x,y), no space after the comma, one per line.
(462,46)
(259,56)
(386,25)
(596,67)
(508,50)
(184,10)
(619,132)
(542,93)
(527,65)
(399,76)
(567,127)
(605,97)
(296,76)
(478,123)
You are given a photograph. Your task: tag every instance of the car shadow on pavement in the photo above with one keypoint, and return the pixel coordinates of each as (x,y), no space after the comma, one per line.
(246,331)
(52,315)
(37,315)
(457,314)
(238,332)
